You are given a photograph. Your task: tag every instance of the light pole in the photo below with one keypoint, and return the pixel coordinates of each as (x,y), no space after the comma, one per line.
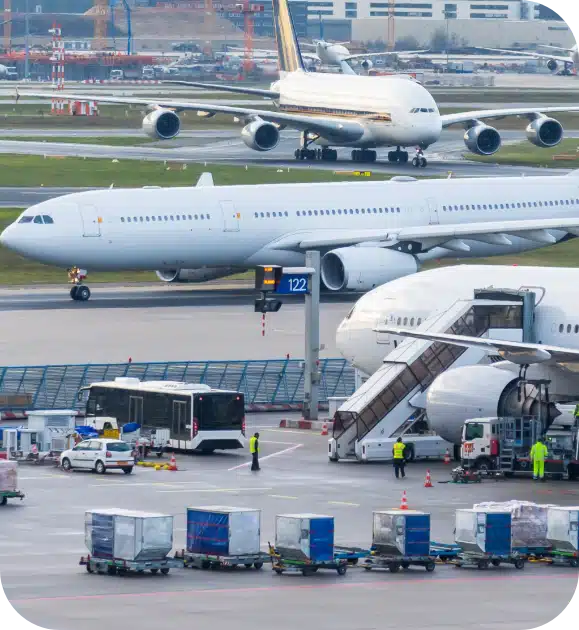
(26,43)
(447,17)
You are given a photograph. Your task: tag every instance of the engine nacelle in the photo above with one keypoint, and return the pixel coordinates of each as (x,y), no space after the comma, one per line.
(482,140)
(162,124)
(363,268)
(260,135)
(545,132)
(367,65)
(202,274)
(553,66)
(479,391)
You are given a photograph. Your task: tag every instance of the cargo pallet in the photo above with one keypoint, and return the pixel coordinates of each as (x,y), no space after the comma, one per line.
(10,494)
(124,567)
(483,561)
(394,563)
(213,561)
(291,565)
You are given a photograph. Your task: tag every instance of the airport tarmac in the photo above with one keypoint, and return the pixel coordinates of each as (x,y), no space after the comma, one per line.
(42,540)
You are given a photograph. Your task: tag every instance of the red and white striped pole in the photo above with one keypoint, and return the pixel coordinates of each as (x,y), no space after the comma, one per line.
(57,67)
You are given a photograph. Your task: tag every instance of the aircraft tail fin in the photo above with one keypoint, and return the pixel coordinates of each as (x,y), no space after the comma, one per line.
(288,48)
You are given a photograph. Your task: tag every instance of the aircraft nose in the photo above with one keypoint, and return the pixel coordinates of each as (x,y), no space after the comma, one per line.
(10,239)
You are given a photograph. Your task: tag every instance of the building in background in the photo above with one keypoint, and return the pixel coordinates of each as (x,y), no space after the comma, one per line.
(263,20)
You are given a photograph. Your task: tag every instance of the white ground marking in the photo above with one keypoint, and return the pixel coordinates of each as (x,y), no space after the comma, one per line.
(262,459)
(226,490)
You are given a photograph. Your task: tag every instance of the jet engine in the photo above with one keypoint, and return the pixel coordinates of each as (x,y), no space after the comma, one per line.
(260,135)
(545,132)
(553,66)
(479,391)
(202,274)
(363,268)
(162,124)
(482,139)
(367,65)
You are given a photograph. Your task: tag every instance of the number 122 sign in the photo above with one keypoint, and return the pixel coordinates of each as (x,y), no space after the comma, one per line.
(292,284)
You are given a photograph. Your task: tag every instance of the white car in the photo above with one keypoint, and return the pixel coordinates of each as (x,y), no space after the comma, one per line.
(99,455)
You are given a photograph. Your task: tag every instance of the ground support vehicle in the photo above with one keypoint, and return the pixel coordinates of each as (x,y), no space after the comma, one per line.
(211,561)
(483,561)
(395,563)
(10,494)
(291,565)
(123,567)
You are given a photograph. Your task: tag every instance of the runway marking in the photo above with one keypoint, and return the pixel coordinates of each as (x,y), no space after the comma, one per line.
(280,496)
(107,484)
(262,459)
(344,503)
(213,490)
(377,586)
(307,432)
(274,442)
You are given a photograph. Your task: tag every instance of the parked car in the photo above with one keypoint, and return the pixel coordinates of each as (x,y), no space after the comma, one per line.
(99,455)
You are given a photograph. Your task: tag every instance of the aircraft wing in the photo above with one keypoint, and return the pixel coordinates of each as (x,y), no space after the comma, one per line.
(446,236)
(470,118)
(330,128)
(513,351)
(533,55)
(399,53)
(226,88)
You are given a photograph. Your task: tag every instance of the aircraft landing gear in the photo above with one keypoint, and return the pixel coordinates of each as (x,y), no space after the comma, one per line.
(398,156)
(363,155)
(304,153)
(419,161)
(78,292)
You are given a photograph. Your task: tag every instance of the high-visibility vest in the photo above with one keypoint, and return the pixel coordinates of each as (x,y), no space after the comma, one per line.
(539,452)
(398,450)
(576,412)
(253,445)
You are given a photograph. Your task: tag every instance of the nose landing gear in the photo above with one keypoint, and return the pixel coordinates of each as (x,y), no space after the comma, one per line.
(419,161)
(78,292)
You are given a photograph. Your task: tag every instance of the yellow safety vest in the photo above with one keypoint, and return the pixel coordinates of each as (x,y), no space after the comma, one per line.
(539,452)
(253,448)
(398,450)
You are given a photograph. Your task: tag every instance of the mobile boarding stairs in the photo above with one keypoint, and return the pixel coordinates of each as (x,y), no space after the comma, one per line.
(391,402)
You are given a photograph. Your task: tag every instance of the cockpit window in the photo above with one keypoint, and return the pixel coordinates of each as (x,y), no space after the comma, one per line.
(38,219)
(27,219)
(47,219)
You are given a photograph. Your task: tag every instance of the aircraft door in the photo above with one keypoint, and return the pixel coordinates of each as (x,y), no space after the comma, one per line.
(91,221)
(433,211)
(230,216)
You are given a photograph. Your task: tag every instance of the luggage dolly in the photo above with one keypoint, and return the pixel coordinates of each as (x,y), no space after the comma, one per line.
(114,566)
(443,552)
(395,563)
(562,558)
(10,494)
(483,561)
(214,561)
(351,554)
(282,565)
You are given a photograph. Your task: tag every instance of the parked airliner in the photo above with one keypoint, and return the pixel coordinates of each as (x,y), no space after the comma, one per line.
(383,318)
(337,110)
(555,63)
(368,232)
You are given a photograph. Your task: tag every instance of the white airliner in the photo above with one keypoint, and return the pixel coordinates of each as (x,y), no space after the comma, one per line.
(368,232)
(383,318)
(556,64)
(334,110)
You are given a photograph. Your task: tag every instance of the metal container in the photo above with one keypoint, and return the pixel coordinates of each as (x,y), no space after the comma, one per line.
(223,531)
(401,533)
(8,476)
(563,528)
(484,531)
(128,535)
(308,537)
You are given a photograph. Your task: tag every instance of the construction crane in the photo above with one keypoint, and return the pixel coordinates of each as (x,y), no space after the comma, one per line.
(391,25)
(100,15)
(129,26)
(248,10)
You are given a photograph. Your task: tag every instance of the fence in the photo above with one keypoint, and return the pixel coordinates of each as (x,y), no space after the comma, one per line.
(265,384)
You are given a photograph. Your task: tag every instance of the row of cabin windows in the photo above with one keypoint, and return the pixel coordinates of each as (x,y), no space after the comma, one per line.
(309,213)
(408,322)
(569,328)
(170,217)
(512,206)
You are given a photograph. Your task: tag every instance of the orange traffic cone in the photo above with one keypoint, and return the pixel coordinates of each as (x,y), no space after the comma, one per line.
(324,429)
(404,502)
(428,482)
(173,463)
(447,457)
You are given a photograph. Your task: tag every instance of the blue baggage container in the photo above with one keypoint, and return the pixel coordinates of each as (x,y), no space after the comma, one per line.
(223,531)
(484,531)
(401,533)
(307,537)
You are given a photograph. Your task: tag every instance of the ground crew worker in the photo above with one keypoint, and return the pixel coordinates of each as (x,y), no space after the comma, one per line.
(576,412)
(398,457)
(254,450)
(538,454)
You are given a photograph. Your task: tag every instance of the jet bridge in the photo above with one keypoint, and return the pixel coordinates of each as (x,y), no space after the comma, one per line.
(391,402)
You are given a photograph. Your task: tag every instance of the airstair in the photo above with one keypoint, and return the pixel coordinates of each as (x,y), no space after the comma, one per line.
(393,399)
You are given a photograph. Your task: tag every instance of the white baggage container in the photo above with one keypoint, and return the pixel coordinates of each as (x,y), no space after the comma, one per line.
(8,476)
(563,528)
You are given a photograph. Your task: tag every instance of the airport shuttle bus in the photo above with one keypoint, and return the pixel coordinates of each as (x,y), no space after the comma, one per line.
(198,417)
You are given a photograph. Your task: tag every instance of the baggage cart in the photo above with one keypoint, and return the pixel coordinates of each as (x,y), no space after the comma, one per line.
(213,561)
(351,554)
(443,552)
(10,494)
(484,561)
(394,562)
(115,566)
(562,558)
(281,564)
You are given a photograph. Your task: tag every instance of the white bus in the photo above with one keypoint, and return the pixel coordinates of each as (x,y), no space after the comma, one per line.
(198,417)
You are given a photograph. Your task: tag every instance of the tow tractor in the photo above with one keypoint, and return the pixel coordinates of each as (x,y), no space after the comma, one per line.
(504,444)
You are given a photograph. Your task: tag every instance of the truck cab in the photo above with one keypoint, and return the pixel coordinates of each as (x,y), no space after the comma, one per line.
(480,444)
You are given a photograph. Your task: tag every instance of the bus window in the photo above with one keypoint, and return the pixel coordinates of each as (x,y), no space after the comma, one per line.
(219,411)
